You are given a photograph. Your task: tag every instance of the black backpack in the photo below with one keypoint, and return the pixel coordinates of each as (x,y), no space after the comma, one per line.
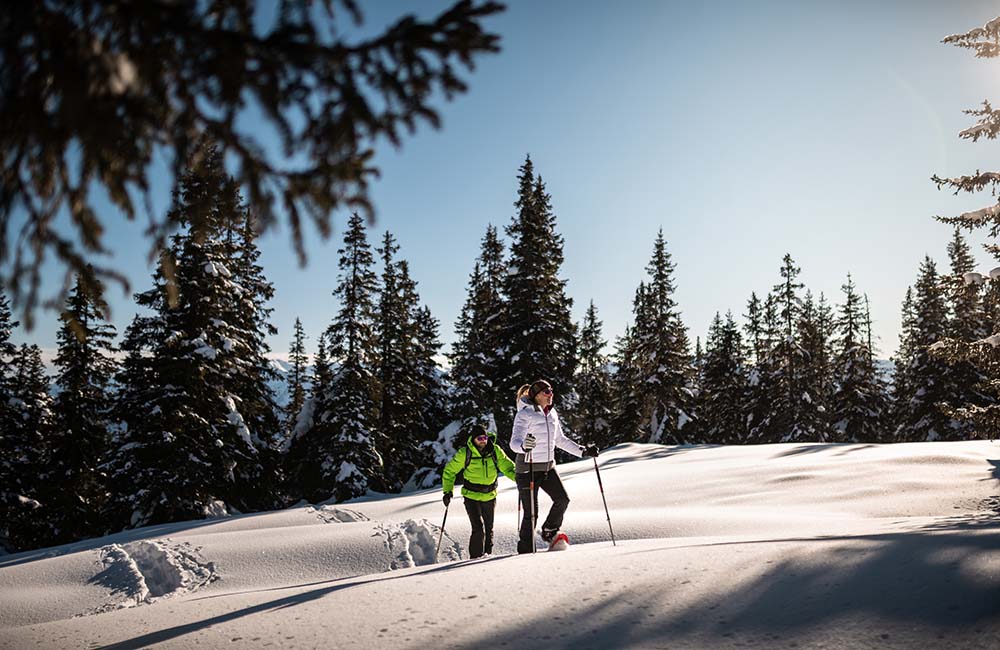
(460,476)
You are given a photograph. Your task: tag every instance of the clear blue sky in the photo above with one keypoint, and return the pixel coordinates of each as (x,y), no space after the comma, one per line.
(744,130)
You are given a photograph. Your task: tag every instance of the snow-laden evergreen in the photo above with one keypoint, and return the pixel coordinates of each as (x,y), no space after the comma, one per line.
(478,356)
(337,455)
(858,406)
(538,332)
(661,374)
(591,420)
(723,395)
(186,450)
(410,400)
(924,384)
(298,379)
(80,440)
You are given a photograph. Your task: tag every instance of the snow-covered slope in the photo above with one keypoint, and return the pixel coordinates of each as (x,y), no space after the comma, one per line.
(834,546)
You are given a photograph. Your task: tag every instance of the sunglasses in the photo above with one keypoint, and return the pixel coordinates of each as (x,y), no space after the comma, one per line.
(546,391)
(482,437)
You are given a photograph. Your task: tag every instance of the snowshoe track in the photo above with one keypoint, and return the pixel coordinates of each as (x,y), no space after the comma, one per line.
(331,514)
(412,543)
(144,571)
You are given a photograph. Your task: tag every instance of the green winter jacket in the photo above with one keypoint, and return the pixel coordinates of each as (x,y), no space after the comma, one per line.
(481,470)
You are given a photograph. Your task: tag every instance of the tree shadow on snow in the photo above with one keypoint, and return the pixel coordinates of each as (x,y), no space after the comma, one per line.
(817,447)
(925,580)
(646,452)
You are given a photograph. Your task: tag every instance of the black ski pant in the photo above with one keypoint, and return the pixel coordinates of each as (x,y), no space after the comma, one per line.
(481,518)
(551,484)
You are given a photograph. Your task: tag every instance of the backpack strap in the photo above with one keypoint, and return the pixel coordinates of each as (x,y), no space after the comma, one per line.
(468,459)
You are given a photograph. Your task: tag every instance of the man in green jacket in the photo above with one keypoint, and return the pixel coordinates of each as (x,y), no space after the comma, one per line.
(483,461)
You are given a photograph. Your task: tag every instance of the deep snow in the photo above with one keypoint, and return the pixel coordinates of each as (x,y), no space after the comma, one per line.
(776,546)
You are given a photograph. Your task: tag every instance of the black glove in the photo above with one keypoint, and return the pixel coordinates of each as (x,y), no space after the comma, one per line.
(529,443)
(590,451)
(446,498)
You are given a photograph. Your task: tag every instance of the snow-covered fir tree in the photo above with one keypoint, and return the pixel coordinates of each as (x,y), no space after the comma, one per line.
(966,318)
(26,423)
(788,393)
(80,440)
(626,387)
(926,389)
(768,421)
(478,356)
(540,336)
(764,380)
(337,456)
(858,407)
(434,400)
(592,418)
(662,354)
(399,380)
(723,395)
(297,377)
(984,353)
(31,389)
(814,332)
(250,326)
(901,387)
(19,449)
(189,452)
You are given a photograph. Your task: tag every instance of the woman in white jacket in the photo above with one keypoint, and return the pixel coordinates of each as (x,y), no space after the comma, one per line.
(536,434)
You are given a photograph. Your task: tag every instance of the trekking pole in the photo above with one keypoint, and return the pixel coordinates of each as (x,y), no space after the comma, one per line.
(606,513)
(531,497)
(441,535)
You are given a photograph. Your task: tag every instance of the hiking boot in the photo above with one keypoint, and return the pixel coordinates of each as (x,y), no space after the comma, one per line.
(548,534)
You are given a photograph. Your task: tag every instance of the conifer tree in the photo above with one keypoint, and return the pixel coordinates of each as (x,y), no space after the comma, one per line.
(902,387)
(929,389)
(479,355)
(20,460)
(626,387)
(965,308)
(190,452)
(27,420)
(250,381)
(592,419)
(663,354)
(983,411)
(434,400)
(31,389)
(764,378)
(857,407)
(967,323)
(398,369)
(338,456)
(540,335)
(80,441)
(815,371)
(777,398)
(297,378)
(723,393)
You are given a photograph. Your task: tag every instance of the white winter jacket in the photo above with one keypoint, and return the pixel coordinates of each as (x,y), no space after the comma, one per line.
(548,433)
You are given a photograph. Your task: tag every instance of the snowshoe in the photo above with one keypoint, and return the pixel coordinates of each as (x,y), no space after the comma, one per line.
(559,543)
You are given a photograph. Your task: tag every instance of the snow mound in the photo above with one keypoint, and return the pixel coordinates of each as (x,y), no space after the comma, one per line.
(413,544)
(144,571)
(331,514)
